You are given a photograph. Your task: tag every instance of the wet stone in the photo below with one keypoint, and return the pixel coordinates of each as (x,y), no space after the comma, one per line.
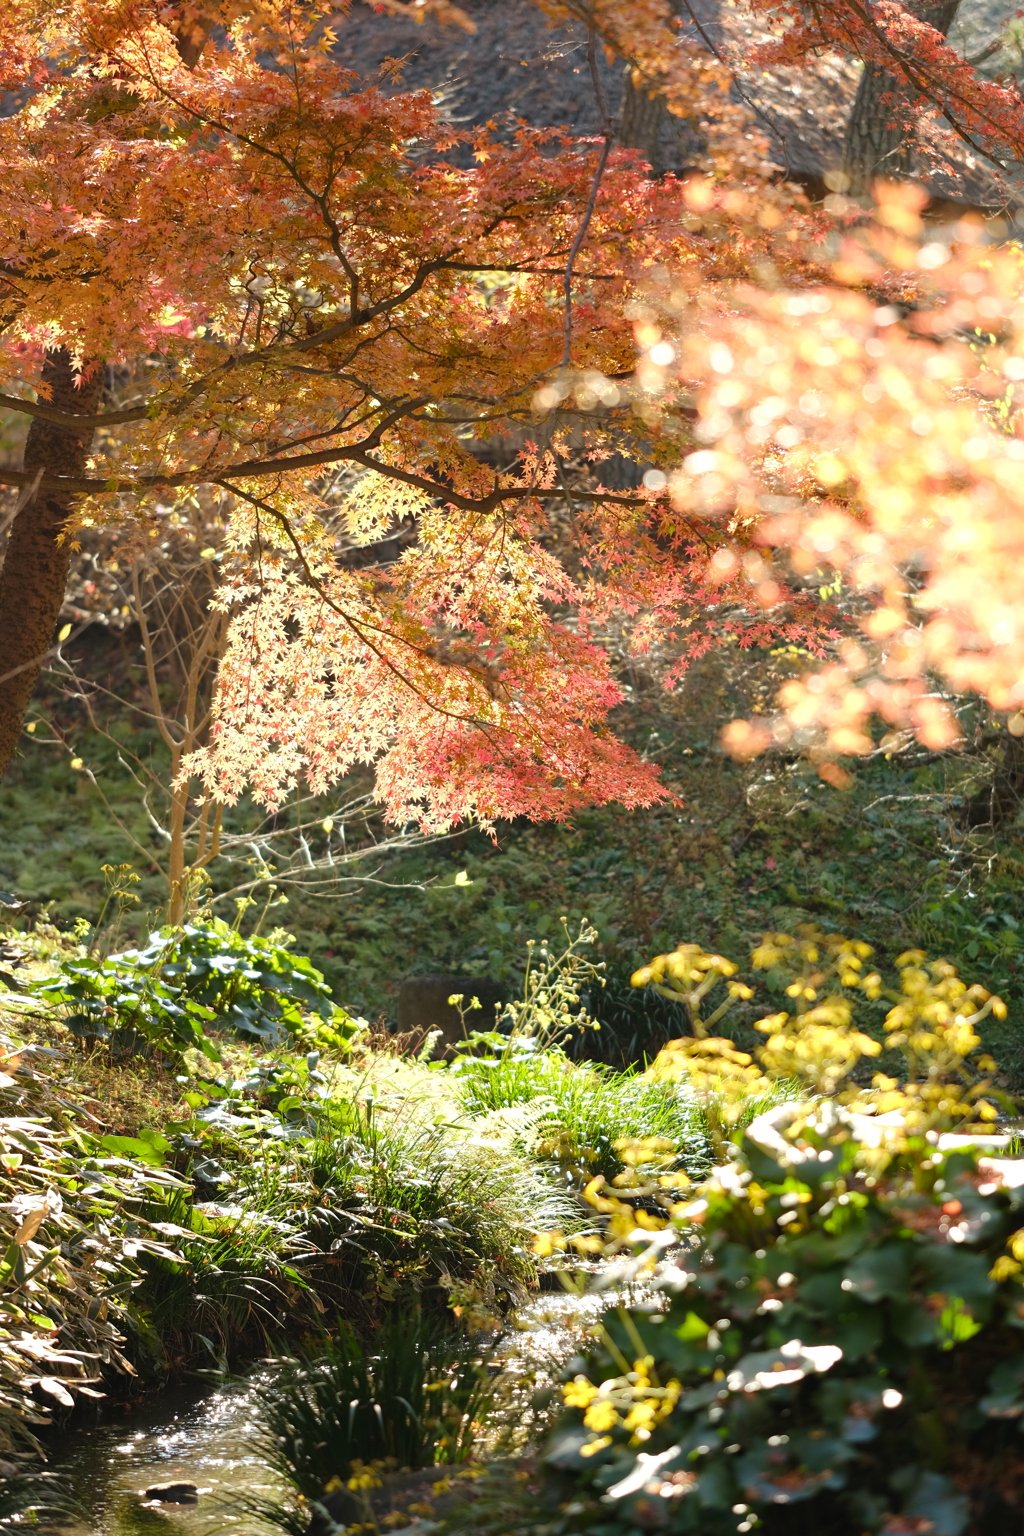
(174,1493)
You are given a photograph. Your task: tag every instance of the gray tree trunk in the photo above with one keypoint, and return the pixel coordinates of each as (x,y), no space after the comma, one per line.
(877,145)
(667,143)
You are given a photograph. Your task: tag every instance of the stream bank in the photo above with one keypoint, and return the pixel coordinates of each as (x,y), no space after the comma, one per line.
(212,1439)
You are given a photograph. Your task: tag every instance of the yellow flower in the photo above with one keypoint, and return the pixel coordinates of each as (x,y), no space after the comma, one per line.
(595,1446)
(601,1415)
(579,1392)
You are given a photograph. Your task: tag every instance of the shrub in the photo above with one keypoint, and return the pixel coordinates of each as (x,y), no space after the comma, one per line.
(841,1346)
(129,1008)
(74,1234)
(850,1341)
(406,1209)
(163,996)
(257,985)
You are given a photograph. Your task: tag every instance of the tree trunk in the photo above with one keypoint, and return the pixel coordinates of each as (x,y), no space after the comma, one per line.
(641,120)
(877,145)
(667,143)
(35,569)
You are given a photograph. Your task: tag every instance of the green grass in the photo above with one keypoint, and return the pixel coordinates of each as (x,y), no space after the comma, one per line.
(411,1395)
(234,1286)
(360,1210)
(584,1109)
(402,1201)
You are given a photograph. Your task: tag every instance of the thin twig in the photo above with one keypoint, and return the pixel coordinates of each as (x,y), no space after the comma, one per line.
(608,133)
(44,655)
(24,499)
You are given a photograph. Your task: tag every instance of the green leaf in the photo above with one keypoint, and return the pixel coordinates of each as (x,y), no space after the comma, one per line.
(134,1146)
(880,1272)
(957,1323)
(933,1498)
(956,1271)
(692,1328)
(858,1333)
(158,1142)
(1005,1399)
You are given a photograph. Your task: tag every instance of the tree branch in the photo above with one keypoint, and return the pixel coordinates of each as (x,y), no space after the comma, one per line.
(253,469)
(608,133)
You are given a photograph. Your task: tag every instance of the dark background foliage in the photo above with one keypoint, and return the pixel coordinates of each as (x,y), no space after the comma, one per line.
(909,855)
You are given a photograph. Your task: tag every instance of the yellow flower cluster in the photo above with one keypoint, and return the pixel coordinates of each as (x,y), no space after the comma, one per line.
(820,1046)
(635,1401)
(809,946)
(933,1021)
(686,976)
(722,1078)
(938,1013)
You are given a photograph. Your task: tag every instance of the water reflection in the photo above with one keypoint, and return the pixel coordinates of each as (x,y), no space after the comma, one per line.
(171,1437)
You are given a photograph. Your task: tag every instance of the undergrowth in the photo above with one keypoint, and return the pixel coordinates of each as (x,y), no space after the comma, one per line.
(413,1394)
(581,1110)
(755,847)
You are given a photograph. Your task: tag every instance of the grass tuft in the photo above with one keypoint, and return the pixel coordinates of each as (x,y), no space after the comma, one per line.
(415,1398)
(587,1109)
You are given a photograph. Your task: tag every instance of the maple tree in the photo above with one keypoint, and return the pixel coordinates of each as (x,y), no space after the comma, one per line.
(298,272)
(923,73)
(875,446)
(301,277)
(912,75)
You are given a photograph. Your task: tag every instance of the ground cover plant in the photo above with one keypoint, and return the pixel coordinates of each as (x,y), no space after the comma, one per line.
(287,1182)
(839,1341)
(77,1230)
(165,996)
(410,1396)
(307,1193)
(580,1111)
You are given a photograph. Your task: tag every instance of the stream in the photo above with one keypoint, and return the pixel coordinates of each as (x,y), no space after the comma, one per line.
(212,1439)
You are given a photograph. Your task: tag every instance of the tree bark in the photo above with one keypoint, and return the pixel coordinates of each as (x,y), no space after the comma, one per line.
(35,568)
(877,145)
(641,120)
(667,143)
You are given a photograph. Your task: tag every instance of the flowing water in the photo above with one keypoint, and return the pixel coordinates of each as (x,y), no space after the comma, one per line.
(213,1440)
(172,1436)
